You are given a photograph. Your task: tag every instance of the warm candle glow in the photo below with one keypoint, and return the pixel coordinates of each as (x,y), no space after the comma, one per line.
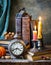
(35,34)
(40,18)
(35,27)
(40,28)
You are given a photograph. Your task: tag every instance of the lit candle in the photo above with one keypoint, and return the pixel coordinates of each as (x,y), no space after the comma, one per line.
(35,34)
(40,28)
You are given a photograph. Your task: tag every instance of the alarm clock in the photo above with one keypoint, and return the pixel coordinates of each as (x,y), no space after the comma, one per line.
(17,48)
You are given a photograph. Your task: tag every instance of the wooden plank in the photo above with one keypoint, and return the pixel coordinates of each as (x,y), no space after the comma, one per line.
(21,61)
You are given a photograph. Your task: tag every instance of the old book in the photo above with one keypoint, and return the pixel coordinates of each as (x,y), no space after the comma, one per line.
(26,28)
(38,55)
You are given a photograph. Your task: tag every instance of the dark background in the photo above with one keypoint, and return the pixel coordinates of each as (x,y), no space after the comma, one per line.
(35,8)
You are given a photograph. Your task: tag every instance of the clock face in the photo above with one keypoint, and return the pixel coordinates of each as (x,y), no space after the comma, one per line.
(17,48)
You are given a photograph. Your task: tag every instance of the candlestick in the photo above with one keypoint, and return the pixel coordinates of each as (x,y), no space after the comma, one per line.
(34,49)
(40,36)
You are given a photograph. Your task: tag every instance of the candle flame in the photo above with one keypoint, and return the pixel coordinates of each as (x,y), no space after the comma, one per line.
(35,27)
(40,18)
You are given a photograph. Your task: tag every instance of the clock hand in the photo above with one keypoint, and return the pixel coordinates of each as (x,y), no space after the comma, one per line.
(15,49)
(18,49)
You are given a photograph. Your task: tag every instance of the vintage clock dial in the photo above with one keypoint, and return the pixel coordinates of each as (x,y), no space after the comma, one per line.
(17,48)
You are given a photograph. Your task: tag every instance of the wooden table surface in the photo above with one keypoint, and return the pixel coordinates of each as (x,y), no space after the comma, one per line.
(25,61)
